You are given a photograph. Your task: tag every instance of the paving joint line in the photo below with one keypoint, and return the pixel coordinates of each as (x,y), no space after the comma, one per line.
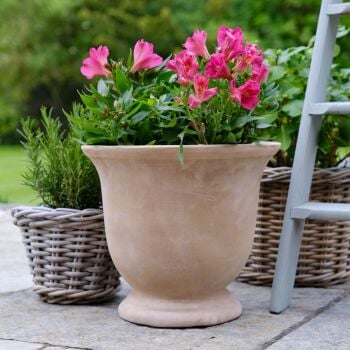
(5,294)
(46,345)
(305,320)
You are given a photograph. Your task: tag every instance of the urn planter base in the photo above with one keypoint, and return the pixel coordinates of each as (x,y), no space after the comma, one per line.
(206,311)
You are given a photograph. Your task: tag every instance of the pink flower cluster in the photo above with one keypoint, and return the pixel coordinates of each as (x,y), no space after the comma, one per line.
(97,62)
(233,59)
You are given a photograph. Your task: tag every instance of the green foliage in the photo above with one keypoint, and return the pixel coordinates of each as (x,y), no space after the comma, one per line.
(149,107)
(43,42)
(58,171)
(290,70)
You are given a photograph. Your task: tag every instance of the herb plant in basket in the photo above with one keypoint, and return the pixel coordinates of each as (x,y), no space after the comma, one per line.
(325,252)
(176,147)
(64,239)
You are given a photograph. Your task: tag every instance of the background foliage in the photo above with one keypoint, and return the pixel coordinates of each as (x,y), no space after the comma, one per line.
(289,69)
(43,42)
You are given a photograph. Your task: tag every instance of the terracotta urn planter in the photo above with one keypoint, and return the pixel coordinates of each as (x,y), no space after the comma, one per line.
(179,234)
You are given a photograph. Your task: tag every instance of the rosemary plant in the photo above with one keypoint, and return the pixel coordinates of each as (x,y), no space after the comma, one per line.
(58,171)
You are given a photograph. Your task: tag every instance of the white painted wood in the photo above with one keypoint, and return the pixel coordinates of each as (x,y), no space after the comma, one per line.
(339,9)
(333,108)
(322,211)
(304,160)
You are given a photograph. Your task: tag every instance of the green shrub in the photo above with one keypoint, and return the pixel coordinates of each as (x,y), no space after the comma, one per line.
(39,59)
(290,71)
(58,171)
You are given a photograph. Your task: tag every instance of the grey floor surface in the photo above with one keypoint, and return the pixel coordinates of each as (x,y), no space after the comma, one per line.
(318,319)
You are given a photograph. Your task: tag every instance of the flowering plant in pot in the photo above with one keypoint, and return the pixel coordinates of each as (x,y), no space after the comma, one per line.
(175,144)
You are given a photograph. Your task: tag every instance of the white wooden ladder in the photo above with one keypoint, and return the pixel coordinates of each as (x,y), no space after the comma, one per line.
(298,206)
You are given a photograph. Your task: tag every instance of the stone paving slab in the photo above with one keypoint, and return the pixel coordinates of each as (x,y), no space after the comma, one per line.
(24,317)
(27,322)
(18,345)
(14,270)
(329,330)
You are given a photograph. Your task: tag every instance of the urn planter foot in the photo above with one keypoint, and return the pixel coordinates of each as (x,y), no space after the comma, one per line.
(206,311)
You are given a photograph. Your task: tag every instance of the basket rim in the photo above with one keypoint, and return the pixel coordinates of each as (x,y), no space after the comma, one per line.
(41,212)
(280,173)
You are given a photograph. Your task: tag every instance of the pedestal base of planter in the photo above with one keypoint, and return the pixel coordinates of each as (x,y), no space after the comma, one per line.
(215,309)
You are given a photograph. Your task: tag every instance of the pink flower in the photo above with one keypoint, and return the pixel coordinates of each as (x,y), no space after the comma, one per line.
(95,64)
(217,67)
(260,71)
(197,44)
(230,42)
(251,53)
(144,58)
(202,93)
(246,95)
(185,65)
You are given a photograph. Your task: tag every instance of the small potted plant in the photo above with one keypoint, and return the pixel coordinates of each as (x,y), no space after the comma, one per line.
(176,147)
(64,239)
(325,251)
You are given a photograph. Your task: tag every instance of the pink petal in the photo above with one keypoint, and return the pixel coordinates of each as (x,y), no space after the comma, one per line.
(95,64)
(200,83)
(250,102)
(197,44)
(194,101)
(171,65)
(221,35)
(209,93)
(217,67)
(144,58)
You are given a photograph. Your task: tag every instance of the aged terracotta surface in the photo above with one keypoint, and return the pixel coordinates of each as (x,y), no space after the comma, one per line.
(178,235)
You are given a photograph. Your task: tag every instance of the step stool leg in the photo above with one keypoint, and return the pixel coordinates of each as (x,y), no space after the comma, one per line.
(286,266)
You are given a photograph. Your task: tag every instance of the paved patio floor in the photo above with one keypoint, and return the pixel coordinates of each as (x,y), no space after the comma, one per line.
(319,319)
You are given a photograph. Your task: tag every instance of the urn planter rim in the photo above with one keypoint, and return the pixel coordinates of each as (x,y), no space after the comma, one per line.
(216,151)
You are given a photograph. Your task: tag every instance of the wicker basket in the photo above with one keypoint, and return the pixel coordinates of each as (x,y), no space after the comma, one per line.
(67,254)
(325,252)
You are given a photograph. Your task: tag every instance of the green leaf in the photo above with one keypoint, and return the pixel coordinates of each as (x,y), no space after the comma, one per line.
(289,53)
(171,124)
(181,154)
(151,143)
(343,152)
(102,88)
(89,101)
(121,80)
(263,125)
(170,108)
(284,138)
(230,138)
(276,73)
(241,121)
(293,108)
(138,117)
(127,97)
(129,60)
(267,118)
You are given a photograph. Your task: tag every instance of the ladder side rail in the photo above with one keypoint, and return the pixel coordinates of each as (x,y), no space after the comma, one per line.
(304,160)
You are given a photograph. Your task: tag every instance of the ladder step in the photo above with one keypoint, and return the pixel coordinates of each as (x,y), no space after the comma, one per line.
(322,211)
(338,9)
(319,109)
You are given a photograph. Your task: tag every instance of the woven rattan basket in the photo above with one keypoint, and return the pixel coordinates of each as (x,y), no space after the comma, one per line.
(67,254)
(325,253)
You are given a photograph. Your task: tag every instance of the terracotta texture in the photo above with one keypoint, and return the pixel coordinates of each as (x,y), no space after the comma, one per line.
(178,235)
